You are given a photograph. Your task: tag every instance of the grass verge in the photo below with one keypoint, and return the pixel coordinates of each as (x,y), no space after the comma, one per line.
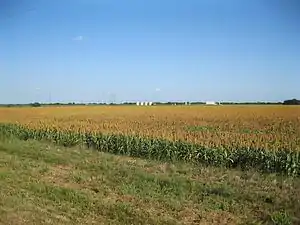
(41,183)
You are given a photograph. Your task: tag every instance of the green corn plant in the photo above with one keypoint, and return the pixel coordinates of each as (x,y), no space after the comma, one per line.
(279,161)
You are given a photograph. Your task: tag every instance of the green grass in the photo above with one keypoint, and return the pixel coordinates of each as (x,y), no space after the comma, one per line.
(42,183)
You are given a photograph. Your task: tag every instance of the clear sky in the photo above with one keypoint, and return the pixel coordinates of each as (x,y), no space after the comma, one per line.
(149,50)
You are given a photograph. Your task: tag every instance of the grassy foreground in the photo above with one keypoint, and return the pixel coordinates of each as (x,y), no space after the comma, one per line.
(42,183)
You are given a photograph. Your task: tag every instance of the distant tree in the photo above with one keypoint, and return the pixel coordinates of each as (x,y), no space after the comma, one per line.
(292,102)
(36,104)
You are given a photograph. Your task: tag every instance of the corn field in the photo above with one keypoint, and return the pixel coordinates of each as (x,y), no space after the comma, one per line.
(262,137)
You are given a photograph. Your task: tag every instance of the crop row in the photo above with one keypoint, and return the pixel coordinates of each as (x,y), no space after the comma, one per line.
(283,161)
(270,128)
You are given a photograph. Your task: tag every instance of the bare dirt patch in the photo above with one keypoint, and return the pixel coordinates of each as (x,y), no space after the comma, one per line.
(219,217)
(59,175)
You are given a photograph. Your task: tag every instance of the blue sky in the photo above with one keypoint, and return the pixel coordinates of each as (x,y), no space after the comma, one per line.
(130,50)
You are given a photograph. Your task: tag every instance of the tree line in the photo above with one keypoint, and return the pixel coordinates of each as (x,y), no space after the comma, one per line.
(37,104)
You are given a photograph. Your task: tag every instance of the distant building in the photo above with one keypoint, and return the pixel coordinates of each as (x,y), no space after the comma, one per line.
(144,103)
(210,103)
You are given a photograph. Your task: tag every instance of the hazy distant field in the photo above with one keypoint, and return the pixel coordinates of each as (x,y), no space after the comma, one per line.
(264,127)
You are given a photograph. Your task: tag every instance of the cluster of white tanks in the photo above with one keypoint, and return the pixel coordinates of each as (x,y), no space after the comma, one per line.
(144,103)
(210,103)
